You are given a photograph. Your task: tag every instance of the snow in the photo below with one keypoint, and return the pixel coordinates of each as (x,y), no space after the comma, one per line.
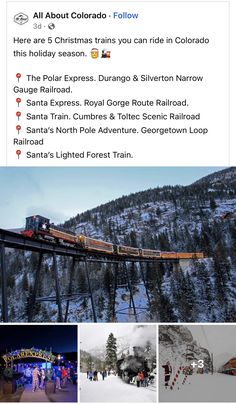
(201,388)
(114,390)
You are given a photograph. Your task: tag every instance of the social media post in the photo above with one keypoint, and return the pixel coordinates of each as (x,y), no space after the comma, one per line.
(117,84)
(197,363)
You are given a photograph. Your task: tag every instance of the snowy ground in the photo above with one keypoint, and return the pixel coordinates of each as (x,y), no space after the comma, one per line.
(114,390)
(202,388)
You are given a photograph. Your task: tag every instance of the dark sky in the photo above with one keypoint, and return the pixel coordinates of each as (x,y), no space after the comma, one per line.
(61,338)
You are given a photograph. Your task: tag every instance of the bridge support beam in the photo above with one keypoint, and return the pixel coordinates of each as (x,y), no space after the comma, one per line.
(32,298)
(58,295)
(131,292)
(72,272)
(115,273)
(90,291)
(176,265)
(146,287)
(4,284)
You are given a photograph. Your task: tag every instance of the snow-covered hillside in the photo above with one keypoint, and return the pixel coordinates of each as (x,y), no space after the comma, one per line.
(176,345)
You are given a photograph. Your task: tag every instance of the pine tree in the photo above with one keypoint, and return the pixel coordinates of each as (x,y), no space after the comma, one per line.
(166,312)
(25,283)
(81,281)
(111,352)
(183,295)
(89,362)
(213,205)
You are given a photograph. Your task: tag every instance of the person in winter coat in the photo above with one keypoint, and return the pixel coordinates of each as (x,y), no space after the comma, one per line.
(64,375)
(58,378)
(90,376)
(168,371)
(146,378)
(43,376)
(95,375)
(35,379)
(138,380)
(141,378)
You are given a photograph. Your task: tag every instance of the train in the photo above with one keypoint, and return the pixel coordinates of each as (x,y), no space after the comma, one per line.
(39,227)
(129,366)
(229,368)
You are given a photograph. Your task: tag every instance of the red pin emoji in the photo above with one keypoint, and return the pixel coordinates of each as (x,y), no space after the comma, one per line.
(18,100)
(18,114)
(18,75)
(18,152)
(18,128)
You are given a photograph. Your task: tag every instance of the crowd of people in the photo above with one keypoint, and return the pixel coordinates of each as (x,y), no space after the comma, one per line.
(38,376)
(93,375)
(142,379)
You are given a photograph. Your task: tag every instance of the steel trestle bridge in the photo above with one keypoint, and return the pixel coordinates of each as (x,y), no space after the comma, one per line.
(12,240)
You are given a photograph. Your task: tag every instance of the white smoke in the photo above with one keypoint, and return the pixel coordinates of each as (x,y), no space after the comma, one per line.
(141,335)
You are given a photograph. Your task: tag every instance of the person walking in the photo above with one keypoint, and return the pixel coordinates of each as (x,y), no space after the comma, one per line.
(138,380)
(95,375)
(43,376)
(142,379)
(35,379)
(58,378)
(64,375)
(146,379)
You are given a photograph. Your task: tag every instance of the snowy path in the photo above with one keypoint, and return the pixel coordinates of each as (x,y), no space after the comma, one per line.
(114,390)
(202,388)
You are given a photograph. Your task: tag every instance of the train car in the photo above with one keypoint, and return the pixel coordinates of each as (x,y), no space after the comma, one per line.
(230,367)
(92,244)
(144,252)
(169,254)
(190,255)
(126,250)
(40,227)
(62,235)
(180,255)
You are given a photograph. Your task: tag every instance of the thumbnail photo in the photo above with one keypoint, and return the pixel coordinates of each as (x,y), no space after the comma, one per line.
(118,245)
(118,363)
(38,363)
(197,363)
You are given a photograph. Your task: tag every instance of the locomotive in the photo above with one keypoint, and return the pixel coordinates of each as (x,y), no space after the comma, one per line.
(39,227)
(129,366)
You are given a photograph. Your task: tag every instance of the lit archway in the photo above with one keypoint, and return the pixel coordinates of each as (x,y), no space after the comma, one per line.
(28,353)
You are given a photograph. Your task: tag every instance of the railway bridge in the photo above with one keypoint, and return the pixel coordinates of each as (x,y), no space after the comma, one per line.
(84,258)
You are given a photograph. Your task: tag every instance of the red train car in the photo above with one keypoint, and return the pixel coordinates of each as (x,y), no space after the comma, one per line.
(230,367)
